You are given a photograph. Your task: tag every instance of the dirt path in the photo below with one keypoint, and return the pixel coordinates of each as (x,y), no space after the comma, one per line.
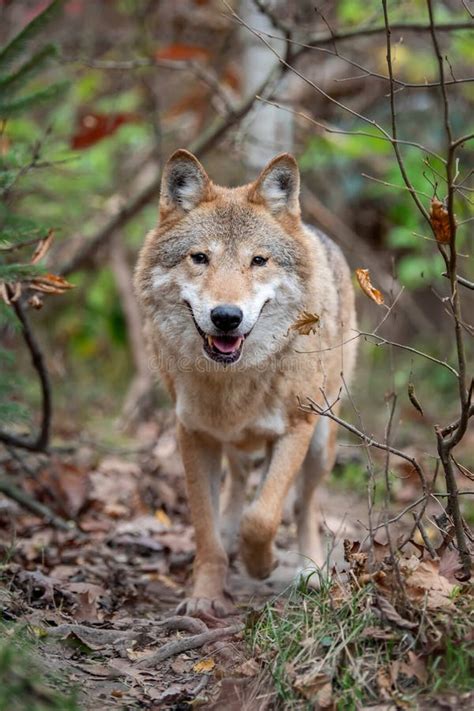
(101,599)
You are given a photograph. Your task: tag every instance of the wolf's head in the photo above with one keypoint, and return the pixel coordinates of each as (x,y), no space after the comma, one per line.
(224,273)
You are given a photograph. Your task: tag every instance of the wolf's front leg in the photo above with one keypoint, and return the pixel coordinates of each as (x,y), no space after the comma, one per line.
(261,520)
(202,463)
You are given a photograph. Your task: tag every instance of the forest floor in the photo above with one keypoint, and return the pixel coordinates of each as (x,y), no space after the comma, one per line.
(96,603)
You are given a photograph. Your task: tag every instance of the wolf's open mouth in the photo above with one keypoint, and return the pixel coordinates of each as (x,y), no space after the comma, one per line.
(223,349)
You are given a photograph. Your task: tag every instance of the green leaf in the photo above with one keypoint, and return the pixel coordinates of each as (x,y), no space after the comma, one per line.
(21,41)
(29,69)
(31,100)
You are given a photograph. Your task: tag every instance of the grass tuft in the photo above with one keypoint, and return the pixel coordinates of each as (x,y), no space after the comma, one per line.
(331,648)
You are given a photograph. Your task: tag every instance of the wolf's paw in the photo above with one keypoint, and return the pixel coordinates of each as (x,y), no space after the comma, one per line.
(258,560)
(207,608)
(256,545)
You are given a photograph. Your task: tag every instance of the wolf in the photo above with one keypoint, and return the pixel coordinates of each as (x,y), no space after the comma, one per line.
(223,282)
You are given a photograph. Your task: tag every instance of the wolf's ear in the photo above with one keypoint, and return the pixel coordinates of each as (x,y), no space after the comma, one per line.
(278,186)
(184,184)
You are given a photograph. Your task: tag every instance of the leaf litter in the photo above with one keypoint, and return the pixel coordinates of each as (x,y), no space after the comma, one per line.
(100,599)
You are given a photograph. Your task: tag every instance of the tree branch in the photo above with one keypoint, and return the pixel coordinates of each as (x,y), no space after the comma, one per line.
(40,444)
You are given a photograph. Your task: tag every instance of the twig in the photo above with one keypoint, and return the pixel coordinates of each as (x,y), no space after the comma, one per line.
(185,644)
(446,442)
(370,441)
(40,444)
(385,341)
(21,497)
(425,537)
(461,280)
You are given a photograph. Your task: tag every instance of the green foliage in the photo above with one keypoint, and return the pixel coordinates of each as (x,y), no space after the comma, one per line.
(19,66)
(24,685)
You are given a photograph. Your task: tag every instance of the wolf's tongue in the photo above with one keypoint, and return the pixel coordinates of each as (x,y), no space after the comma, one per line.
(226,345)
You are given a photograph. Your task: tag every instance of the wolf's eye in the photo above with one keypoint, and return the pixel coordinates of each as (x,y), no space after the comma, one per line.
(259,261)
(200,258)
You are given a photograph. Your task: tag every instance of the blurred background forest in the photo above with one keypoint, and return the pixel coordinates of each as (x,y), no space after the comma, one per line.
(94,97)
(137,79)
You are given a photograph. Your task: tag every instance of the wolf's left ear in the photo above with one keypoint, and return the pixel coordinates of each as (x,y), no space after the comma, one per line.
(184,184)
(278,186)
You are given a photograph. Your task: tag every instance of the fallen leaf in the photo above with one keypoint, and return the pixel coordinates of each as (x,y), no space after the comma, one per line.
(316,686)
(450,565)
(305,324)
(204,665)
(439,218)
(423,581)
(415,667)
(181,665)
(249,668)
(363,277)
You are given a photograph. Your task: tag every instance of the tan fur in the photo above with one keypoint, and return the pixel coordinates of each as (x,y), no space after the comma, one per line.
(254,403)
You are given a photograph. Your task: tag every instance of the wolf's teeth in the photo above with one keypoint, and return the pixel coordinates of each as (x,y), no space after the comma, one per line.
(209,340)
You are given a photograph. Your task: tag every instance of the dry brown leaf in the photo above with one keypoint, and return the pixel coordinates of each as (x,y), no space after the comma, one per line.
(415,667)
(49,284)
(42,247)
(249,668)
(423,581)
(305,324)
(439,217)
(450,565)
(316,686)
(204,665)
(413,399)
(5,290)
(363,277)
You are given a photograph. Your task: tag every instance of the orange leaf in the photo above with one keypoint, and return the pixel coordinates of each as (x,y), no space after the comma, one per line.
(49,284)
(439,217)
(183,52)
(363,277)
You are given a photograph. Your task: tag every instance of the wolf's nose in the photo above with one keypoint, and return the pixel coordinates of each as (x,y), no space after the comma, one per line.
(226,317)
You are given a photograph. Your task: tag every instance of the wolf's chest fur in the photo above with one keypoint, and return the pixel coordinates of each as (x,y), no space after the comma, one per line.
(243,409)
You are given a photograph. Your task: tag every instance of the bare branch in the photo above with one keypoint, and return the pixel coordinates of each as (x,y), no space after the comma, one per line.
(40,444)
(313,406)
